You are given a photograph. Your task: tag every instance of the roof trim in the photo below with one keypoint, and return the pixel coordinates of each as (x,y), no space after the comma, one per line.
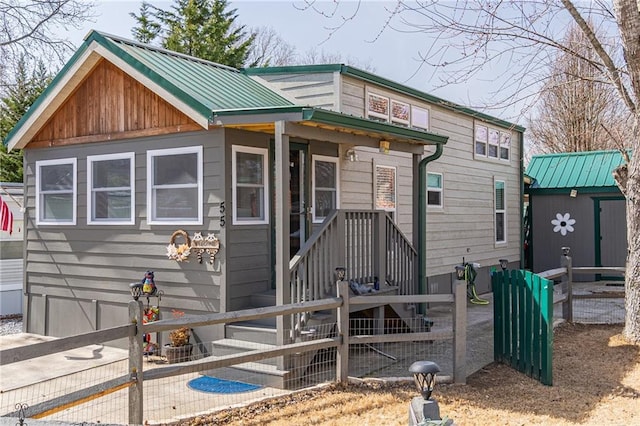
(375,79)
(319,115)
(567,191)
(95,47)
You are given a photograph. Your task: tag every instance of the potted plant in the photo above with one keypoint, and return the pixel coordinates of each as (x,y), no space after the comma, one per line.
(179,349)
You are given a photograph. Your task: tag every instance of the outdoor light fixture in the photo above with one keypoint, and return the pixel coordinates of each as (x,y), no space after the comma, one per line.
(459,272)
(565,251)
(424,375)
(351,155)
(136,290)
(340,273)
(504,263)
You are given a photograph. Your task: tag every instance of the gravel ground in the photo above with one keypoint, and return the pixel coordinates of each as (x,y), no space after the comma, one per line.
(11,325)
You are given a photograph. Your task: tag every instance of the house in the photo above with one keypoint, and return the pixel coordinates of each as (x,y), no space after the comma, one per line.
(11,236)
(574,202)
(134,154)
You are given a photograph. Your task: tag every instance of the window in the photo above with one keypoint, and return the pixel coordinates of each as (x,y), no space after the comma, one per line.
(400,112)
(325,178)
(56,192)
(174,186)
(110,189)
(377,107)
(385,188)
(434,189)
(501,213)
(419,118)
(249,186)
(505,145)
(481,141)
(494,141)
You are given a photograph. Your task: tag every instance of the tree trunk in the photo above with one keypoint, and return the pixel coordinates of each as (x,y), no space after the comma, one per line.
(632,277)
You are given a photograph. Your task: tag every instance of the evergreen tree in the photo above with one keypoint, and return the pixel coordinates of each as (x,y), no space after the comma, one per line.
(201,28)
(20,96)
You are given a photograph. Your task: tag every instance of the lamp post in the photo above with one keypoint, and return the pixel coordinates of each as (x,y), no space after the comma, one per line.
(423,408)
(460,272)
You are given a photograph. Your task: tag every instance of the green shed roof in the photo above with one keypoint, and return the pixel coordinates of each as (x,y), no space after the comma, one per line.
(574,170)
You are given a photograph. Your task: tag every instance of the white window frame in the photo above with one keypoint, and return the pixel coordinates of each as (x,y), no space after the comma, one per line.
(496,211)
(91,159)
(265,183)
(314,158)
(494,140)
(395,189)
(74,191)
(398,120)
(505,139)
(481,136)
(150,185)
(421,112)
(377,115)
(434,189)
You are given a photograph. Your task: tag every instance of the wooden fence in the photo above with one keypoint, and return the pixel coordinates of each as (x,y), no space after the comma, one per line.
(136,328)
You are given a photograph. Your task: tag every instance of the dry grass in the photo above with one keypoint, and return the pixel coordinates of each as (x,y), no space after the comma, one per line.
(596,381)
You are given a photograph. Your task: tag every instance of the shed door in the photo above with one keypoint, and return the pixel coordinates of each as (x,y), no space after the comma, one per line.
(613,233)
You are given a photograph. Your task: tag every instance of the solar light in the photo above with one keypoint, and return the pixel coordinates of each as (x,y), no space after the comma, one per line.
(424,375)
(136,290)
(504,263)
(460,272)
(565,251)
(340,273)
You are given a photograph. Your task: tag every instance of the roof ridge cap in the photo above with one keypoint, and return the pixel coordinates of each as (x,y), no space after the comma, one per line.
(162,50)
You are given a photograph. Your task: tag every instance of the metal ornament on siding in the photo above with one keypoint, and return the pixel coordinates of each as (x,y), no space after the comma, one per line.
(563,223)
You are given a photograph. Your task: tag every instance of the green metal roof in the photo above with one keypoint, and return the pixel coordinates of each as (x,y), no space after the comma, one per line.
(212,86)
(375,79)
(574,170)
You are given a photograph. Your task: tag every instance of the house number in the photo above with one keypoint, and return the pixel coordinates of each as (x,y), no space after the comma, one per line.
(222,219)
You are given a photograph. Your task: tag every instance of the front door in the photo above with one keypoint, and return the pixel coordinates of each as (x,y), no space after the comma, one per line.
(299,225)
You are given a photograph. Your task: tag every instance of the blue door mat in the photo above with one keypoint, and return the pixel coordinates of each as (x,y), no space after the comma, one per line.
(215,385)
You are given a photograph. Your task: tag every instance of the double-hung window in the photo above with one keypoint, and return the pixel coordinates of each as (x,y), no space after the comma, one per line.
(434,190)
(500,211)
(56,192)
(174,186)
(110,189)
(386,193)
(325,178)
(249,185)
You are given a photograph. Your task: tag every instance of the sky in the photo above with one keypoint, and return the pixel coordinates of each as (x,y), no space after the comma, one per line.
(391,54)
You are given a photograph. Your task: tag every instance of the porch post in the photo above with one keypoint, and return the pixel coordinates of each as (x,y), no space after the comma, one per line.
(281,221)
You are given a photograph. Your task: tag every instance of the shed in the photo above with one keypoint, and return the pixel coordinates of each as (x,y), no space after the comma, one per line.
(574,202)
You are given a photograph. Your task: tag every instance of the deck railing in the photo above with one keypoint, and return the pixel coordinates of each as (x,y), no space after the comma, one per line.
(367,243)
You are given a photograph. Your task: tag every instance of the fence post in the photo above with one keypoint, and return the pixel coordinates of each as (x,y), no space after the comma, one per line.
(567,284)
(135,365)
(342,361)
(460,332)
(380,248)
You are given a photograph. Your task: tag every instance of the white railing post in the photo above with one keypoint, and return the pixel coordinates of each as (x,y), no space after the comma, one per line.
(135,365)
(380,249)
(460,332)
(567,284)
(342,360)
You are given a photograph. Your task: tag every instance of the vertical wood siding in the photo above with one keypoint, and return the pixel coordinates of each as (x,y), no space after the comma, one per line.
(109,101)
(69,267)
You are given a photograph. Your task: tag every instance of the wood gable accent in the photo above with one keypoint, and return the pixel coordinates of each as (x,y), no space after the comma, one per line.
(111,105)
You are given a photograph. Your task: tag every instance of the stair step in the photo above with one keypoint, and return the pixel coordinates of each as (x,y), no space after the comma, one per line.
(267,298)
(224,347)
(251,332)
(254,373)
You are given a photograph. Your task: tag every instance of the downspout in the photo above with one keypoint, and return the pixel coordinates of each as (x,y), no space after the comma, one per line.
(422,217)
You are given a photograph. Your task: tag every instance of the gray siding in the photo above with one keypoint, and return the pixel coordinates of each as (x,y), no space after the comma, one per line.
(79,275)
(316,90)
(465,226)
(546,243)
